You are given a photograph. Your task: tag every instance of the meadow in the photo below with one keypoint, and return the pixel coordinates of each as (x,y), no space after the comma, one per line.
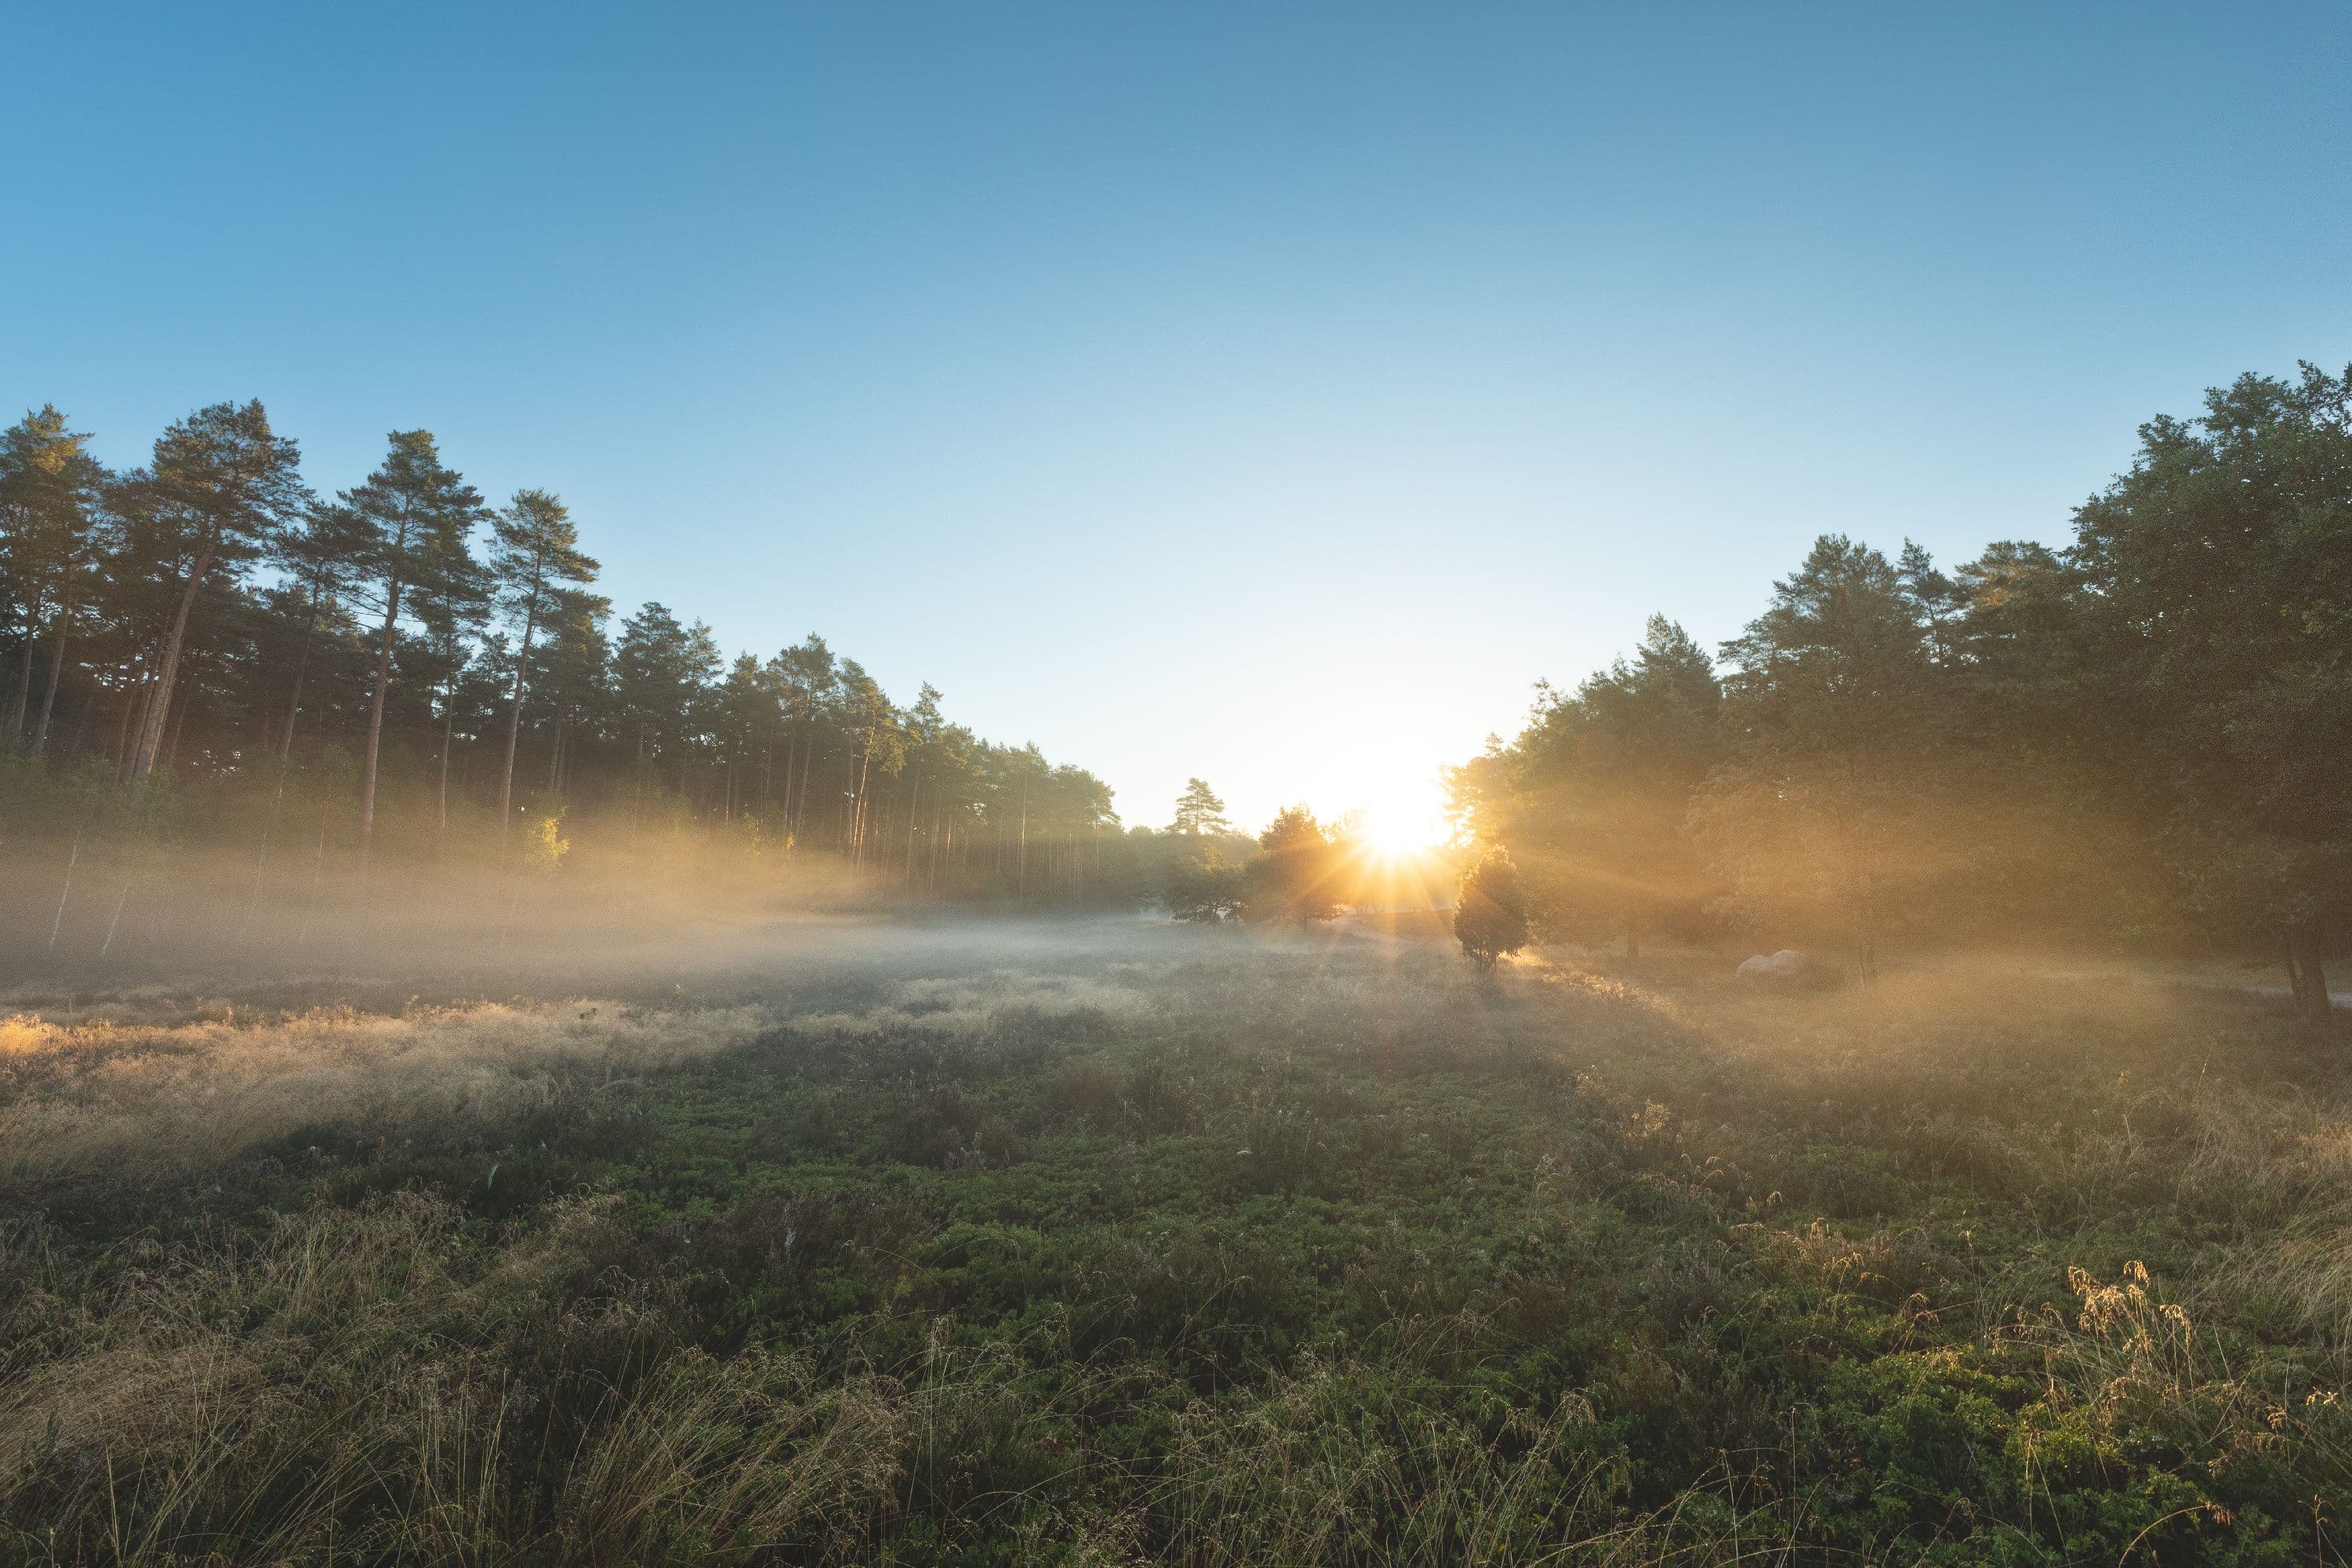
(1111,1241)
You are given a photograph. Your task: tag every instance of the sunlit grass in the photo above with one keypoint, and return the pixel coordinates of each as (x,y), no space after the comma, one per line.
(154,1099)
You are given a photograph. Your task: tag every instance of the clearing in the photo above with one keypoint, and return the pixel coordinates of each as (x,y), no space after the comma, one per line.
(1104,1242)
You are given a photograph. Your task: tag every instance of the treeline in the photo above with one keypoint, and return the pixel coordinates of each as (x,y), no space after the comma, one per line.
(2145,737)
(424,670)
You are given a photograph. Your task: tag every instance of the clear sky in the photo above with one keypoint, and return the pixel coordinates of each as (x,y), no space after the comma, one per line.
(1268,391)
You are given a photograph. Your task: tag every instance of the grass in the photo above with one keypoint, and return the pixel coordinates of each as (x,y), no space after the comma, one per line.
(1152,1246)
(99,1094)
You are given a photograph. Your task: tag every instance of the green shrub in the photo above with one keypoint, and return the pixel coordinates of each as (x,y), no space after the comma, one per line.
(1490,911)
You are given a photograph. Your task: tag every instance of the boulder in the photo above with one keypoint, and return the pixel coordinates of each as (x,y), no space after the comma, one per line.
(1787,970)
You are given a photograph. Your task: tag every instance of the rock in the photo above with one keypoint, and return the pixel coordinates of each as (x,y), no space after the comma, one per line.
(1778,965)
(1787,970)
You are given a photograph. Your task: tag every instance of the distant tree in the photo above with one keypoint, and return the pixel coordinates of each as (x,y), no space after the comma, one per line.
(743,712)
(150,635)
(952,760)
(1199,811)
(2024,642)
(881,743)
(926,771)
(662,672)
(323,553)
(571,671)
(49,490)
(453,604)
(1202,876)
(224,484)
(1829,771)
(804,678)
(415,511)
(1204,888)
(1936,600)
(2219,570)
(1490,911)
(1595,791)
(535,552)
(1297,872)
(2039,837)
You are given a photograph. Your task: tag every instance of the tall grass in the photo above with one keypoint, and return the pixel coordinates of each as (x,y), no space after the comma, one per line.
(2037,1272)
(368,1385)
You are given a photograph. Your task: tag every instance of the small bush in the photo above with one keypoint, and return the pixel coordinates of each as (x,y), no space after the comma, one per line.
(1490,913)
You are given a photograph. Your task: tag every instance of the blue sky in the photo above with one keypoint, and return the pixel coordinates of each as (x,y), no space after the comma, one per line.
(1265,392)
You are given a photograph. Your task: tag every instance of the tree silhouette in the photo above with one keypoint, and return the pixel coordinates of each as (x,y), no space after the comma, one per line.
(49,487)
(535,553)
(1594,792)
(414,512)
(1831,705)
(1490,909)
(225,484)
(1199,811)
(1297,874)
(2220,571)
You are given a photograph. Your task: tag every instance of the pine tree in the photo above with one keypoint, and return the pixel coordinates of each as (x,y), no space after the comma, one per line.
(1833,707)
(49,487)
(1199,811)
(536,552)
(452,603)
(804,678)
(2220,573)
(1594,793)
(224,485)
(415,512)
(322,554)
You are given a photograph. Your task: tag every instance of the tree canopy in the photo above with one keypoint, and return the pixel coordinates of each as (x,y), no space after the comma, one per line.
(403,648)
(2136,738)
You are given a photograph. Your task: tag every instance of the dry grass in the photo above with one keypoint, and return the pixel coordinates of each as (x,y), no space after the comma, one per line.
(979,1006)
(350,1381)
(154,1100)
(1320,1468)
(2069,1099)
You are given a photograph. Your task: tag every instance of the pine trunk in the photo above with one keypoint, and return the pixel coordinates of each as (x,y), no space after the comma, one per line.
(514,719)
(167,669)
(179,722)
(375,723)
(19,698)
(914,795)
(792,754)
(2306,972)
(800,804)
(857,811)
(302,667)
(449,727)
(81,722)
(57,667)
(132,676)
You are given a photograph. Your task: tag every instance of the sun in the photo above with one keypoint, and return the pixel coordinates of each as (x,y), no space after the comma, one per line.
(1408,820)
